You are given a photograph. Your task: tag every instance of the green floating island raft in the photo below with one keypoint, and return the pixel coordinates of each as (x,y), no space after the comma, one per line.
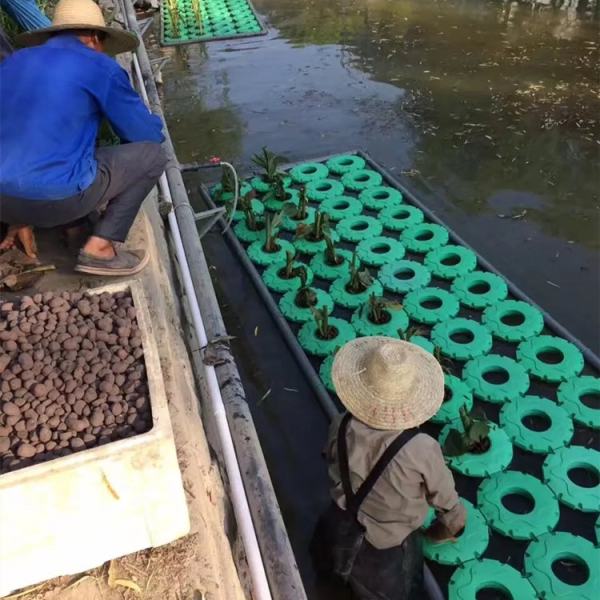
(499,352)
(188,21)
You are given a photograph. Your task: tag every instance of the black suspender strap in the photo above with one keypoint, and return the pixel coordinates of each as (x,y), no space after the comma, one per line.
(353,501)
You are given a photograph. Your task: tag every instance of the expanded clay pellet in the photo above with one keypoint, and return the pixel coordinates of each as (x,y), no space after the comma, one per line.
(72,375)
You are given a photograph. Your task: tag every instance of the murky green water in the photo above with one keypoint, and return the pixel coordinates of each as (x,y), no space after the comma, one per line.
(488,109)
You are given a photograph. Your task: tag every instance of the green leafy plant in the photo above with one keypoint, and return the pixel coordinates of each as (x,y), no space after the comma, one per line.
(332,258)
(174,13)
(306,296)
(288,271)
(315,231)
(197,12)
(475,435)
(359,280)
(272,224)
(277,191)
(410,332)
(300,211)
(245,203)
(377,309)
(325,331)
(227,182)
(270,163)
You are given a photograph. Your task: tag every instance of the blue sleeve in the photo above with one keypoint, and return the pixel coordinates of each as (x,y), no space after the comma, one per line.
(126,112)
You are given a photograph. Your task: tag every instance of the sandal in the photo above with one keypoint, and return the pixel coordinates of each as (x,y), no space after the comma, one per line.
(125,262)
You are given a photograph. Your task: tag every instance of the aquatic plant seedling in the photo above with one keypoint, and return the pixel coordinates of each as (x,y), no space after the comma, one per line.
(272,223)
(475,435)
(306,296)
(197,13)
(250,216)
(315,231)
(325,331)
(332,258)
(174,14)
(359,280)
(378,308)
(300,212)
(270,163)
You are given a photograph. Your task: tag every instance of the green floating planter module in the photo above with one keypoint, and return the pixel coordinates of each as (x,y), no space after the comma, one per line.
(290,224)
(308,246)
(456,395)
(325,372)
(431,305)
(559,468)
(401,217)
(486,575)
(309,172)
(496,458)
(345,163)
(314,344)
(322,189)
(324,270)
(404,276)
(219,196)
(479,289)
(340,207)
(261,186)
(461,339)
(361,179)
(496,378)
(513,320)
(471,544)
(275,204)
(258,208)
(360,227)
(541,518)
(422,342)
(554,427)
(450,261)
(380,196)
(398,321)
(300,314)
(570,396)
(344,298)
(259,256)
(272,276)
(550,358)
(248,235)
(424,237)
(542,554)
(379,250)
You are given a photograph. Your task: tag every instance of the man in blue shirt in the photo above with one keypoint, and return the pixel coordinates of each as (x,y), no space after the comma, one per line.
(53,98)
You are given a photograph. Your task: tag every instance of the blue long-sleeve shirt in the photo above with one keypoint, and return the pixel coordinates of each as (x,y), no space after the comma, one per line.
(52,100)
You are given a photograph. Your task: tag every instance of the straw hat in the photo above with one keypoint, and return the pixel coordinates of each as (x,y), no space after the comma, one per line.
(81,14)
(387,383)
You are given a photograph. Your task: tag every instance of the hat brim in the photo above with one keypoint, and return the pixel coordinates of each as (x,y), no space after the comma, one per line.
(404,408)
(116,42)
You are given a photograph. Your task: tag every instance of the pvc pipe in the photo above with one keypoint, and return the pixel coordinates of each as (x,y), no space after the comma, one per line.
(258,576)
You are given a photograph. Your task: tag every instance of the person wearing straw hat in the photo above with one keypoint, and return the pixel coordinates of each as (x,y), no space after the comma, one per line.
(384,472)
(55,94)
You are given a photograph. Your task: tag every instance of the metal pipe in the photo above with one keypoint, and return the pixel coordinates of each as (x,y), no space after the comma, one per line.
(225,384)
(431,586)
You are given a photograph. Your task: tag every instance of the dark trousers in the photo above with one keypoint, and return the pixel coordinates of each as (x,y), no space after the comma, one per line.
(125,176)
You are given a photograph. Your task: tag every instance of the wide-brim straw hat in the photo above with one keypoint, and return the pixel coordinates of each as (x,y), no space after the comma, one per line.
(81,14)
(388,383)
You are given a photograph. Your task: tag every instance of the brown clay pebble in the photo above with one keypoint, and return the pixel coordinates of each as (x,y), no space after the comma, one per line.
(39,390)
(4,445)
(77,444)
(10,409)
(25,451)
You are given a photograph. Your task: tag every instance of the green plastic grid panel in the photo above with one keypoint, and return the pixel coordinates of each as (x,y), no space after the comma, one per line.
(219,19)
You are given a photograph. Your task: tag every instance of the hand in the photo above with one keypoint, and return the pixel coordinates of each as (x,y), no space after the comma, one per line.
(438,533)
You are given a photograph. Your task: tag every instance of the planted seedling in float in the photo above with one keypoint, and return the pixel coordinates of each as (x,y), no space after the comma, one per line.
(306,296)
(378,308)
(269,163)
(474,438)
(325,331)
(252,222)
(173,9)
(315,231)
(359,280)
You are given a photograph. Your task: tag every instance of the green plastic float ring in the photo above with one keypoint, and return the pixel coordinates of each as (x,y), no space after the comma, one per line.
(361,179)
(344,298)
(379,250)
(404,276)
(325,373)
(490,575)
(309,172)
(273,280)
(248,235)
(496,458)
(558,433)
(515,379)
(479,289)
(480,342)
(597,530)
(220,197)
(298,314)
(424,237)
(310,247)
(360,227)
(258,208)
(275,205)
(380,196)
(262,187)
(365,327)
(471,544)
(531,320)
(422,342)
(340,207)
(401,217)
(258,255)
(541,519)
(324,270)
(290,224)
(456,395)
(313,344)
(570,364)
(542,553)
(322,189)
(450,261)
(443,305)
(556,474)
(569,396)
(345,163)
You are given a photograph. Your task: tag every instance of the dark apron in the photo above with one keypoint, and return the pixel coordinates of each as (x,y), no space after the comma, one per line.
(340,549)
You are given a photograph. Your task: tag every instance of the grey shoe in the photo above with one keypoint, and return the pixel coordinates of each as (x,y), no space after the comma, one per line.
(125,262)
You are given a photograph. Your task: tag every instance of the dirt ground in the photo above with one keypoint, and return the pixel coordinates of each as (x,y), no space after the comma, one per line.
(206,564)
